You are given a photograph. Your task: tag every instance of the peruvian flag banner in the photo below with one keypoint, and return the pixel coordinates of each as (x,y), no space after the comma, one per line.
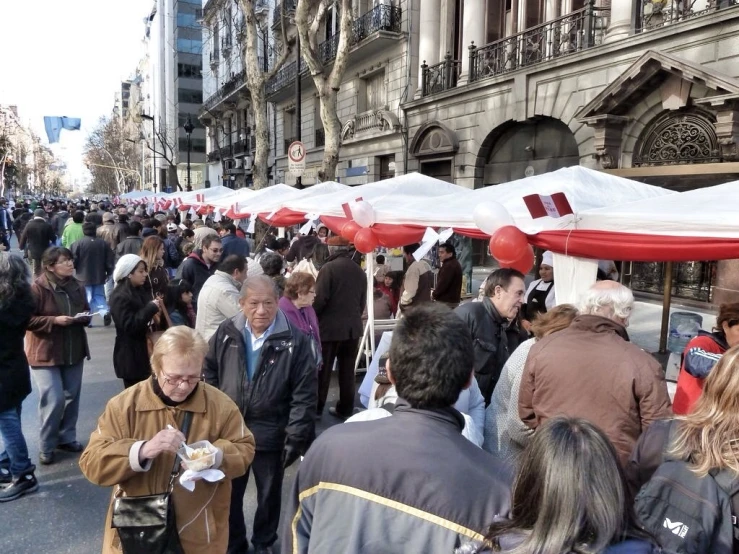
(200,198)
(541,205)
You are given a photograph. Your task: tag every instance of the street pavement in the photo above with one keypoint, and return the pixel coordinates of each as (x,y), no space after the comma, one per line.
(67,514)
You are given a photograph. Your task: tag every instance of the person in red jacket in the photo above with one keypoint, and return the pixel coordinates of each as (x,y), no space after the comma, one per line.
(701,354)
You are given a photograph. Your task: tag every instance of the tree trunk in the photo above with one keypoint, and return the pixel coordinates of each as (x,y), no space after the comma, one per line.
(260,169)
(332,130)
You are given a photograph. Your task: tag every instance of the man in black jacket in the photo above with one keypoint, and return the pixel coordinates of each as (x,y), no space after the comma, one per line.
(448,287)
(201,264)
(409,483)
(341,296)
(132,243)
(37,237)
(265,365)
(494,326)
(93,261)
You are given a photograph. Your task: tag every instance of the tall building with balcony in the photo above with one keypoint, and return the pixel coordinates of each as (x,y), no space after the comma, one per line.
(226,110)
(175,92)
(646,89)
(376,82)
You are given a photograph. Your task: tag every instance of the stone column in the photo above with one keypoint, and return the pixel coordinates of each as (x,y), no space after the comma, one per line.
(621,17)
(474,31)
(429,37)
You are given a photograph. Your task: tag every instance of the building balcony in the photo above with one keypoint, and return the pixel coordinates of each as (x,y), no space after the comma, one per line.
(227,152)
(654,14)
(381,18)
(320,138)
(235,83)
(566,35)
(213,156)
(286,7)
(242,147)
(441,76)
(278,87)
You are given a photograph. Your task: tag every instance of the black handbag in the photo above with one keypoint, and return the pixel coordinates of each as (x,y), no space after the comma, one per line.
(146,524)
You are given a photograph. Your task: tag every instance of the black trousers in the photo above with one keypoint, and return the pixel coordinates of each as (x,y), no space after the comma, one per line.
(268,474)
(345,354)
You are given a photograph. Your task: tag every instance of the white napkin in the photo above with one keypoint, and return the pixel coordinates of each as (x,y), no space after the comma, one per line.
(187,479)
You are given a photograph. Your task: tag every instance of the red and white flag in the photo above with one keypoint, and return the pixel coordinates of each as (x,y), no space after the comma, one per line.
(200,198)
(541,205)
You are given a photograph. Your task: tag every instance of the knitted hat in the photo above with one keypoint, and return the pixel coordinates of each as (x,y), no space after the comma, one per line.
(172,227)
(39,213)
(107,216)
(125,266)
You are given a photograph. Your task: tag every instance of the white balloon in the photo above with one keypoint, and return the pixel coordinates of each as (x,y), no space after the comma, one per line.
(491,216)
(363,213)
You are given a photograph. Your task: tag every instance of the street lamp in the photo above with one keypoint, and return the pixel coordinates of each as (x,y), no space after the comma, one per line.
(188,129)
(153,149)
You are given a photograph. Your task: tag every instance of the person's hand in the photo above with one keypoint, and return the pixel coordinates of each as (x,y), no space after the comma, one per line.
(166,440)
(63,320)
(289,455)
(526,324)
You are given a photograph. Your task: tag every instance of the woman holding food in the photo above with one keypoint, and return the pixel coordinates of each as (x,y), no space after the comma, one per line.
(137,437)
(56,348)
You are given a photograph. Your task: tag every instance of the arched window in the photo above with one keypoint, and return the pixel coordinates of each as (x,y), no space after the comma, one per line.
(678,137)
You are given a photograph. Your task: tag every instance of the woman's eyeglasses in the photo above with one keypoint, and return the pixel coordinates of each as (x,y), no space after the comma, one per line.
(177,381)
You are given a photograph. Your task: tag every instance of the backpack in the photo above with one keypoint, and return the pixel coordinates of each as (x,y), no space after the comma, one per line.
(686,513)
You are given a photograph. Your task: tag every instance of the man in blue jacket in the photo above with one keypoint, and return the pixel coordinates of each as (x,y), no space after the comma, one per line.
(232,243)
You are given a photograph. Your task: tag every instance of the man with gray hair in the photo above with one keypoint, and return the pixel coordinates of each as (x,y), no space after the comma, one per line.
(264,363)
(591,370)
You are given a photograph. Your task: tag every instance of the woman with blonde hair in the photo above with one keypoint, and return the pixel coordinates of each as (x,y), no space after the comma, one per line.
(152,252)
(707,436)
(505,434)
(133,448)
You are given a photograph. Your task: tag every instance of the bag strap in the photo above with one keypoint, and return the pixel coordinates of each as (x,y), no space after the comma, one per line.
(727,481)
(165,313)
(389,407)
(176,467)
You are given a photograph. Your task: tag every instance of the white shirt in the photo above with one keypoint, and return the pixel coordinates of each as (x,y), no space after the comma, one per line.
(257,343)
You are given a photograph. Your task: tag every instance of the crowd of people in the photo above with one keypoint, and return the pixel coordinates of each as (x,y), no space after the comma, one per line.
(502,424)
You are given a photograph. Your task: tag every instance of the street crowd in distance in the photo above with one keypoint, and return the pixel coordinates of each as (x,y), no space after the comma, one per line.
(501,423)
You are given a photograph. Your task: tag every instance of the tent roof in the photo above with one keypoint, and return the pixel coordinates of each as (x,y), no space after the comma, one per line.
(209,194)
(585,189)
(253,201)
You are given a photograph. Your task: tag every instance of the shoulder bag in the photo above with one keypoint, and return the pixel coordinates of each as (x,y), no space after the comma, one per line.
(147,523)
(156,331)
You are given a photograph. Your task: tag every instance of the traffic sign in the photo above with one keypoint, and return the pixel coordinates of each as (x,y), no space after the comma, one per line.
(296,157)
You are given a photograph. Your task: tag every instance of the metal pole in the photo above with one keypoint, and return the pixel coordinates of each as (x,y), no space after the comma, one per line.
(298,114)
(666,299)
(154,154)
(143,164)
(189,187)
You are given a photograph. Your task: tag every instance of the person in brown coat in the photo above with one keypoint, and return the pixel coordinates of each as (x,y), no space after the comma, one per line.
(591,370)
(56,348)
(133,449)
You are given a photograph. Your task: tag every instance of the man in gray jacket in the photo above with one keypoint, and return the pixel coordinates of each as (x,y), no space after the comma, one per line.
(93,261)
(219,297)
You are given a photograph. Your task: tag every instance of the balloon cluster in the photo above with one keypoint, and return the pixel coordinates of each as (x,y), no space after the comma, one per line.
(508,244)
(359,230)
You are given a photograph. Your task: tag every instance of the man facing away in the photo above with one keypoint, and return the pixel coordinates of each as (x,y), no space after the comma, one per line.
(219,297)
(591,370)
(37,236)
(93,261)
(265,365)
(407,483)
(232,243)
(494,326)
(448,287)
(418,280)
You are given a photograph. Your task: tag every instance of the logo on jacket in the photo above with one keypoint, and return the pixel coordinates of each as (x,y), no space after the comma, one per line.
(677,528)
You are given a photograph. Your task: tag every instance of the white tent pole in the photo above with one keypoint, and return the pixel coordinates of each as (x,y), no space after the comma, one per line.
(370,265)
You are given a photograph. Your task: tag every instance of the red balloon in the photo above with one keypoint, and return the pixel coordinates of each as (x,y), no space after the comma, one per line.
(524,263)
(349,230)
(507,244)
(365,240)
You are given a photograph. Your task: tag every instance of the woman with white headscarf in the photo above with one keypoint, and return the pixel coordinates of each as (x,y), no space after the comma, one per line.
(133,309)
(539,296)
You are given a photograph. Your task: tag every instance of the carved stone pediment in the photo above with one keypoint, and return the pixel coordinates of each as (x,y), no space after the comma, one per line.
(434,138)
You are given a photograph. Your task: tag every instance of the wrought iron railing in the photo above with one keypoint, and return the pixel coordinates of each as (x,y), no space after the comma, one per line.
(287,7)
(284,76)
(234,83)
(320,138)
(240,146)
(654,14)
(227,152)
(574,32)
(441,76)
(379,18)
(214,156)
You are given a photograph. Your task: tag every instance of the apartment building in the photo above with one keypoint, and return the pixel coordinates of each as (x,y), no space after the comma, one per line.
(647,89)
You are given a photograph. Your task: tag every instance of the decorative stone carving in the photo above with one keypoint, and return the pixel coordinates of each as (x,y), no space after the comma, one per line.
(387,121)
(607,138)
(347,132)
(684,137)
(434,139)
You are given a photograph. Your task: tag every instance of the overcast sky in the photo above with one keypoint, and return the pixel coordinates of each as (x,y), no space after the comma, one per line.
(68,58)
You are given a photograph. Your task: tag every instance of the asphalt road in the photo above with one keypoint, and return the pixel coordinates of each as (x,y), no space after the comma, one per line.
(67,514)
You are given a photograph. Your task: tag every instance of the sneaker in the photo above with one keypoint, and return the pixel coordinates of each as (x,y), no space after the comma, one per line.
(334,412)
(24,484)
(73,446)
(5,476)
(46,458)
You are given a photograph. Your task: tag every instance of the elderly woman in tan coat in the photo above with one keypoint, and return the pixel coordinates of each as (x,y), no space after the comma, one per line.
(133,448)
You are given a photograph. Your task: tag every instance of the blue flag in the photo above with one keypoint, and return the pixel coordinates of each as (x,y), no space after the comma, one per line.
(54,126)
